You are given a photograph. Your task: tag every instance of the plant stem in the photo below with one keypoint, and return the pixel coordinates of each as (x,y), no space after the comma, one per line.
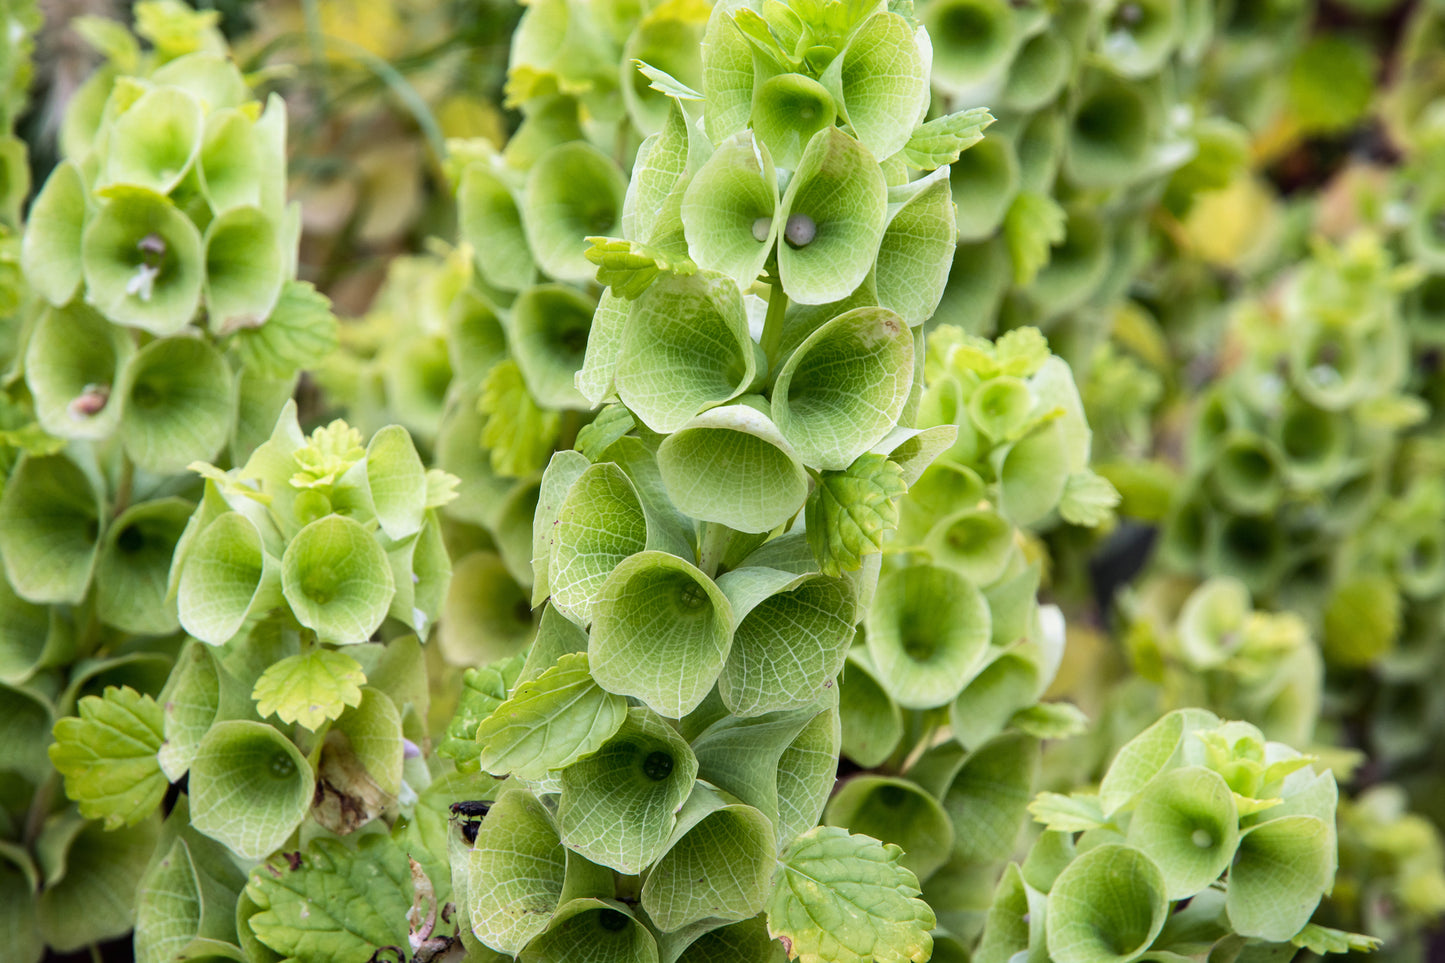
(773,325)
(40,807)
(716,537)
(124,487)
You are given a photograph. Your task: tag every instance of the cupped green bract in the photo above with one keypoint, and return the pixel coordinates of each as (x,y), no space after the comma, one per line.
(1150,753)
(745,940)
(1106,907)
(880,82)
(50,252)
(686,348)
(661,631)
(791,638)
(844,387)
(600,930)
(90,901)
(1139,35)
(983,182)
(134,566)
(988,796)
(1112,131)
(1039,71)
(155,142)
(729,847)
(975,542)
(574,191)
(231,166)
(226,578)
(336,578)
(188,898)
(245,269)
(490,222)
(928,630)
(788,109)
(731,465)
(872,722)
(178,402)
(840,188)
(911,270)
(599,524)
(730,212)
(619,805)
(895,811)
(396,481)
(249,787)
(973,41)
(667,39)
(1032,473)
(73,366)
(1076,264)
(1247,474)
(1187,823)
(1282,869)
(515,872)
(142,262)
(548,335)
(211,76)
(50,528)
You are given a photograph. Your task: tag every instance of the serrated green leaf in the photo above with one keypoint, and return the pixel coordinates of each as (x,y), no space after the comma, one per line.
(310,688)
(108,756)
(1323,939)
(847,899)
(518,433)
(1075,813)
(1089,500)
(299,332)
(629,267)
(333,904)
(483,690)
(1033,225)
(851,512)
(940,141)
(550,722)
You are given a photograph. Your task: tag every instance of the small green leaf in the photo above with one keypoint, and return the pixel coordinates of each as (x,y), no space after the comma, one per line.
(310,688)
(332,904)
(850,512)
(108,756)
(1089,499)
(519,433)
(482,691)
(1323,939)
(299,332)
(1068,814)
(611,423)
(1051,720)
(1033,225)
(940,141)
(629,267)
(847,899)
(550,722)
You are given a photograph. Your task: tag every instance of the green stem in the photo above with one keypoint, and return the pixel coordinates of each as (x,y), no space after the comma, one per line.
(716,537)
(773,325)
(124,488)
(40,807)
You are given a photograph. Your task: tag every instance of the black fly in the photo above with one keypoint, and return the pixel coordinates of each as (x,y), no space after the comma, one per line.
(470,812)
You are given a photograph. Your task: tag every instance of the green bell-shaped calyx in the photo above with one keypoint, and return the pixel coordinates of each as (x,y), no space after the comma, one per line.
(73,365)
(928,629)
(834,212)
(226,576)
(973,42)
(337,580)
(153,144)
(895,811)
(1187,823)
(50,253)
(1106,907)
(1139,35)
(489,220)
(254,761)
(515,872)
(1113,132)
(142,262)
(573,192)
(844,388)
(726,844)
(134,563)
(548,335)
(594,929)
(178,400)
(730,210)
(619,805)
(880,82)
(583,554)
(245,269)
(791,638)
(731,465)
(686,348)
(1281,870)
(661,631)
(788,110)
(50,529)
(922,230)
